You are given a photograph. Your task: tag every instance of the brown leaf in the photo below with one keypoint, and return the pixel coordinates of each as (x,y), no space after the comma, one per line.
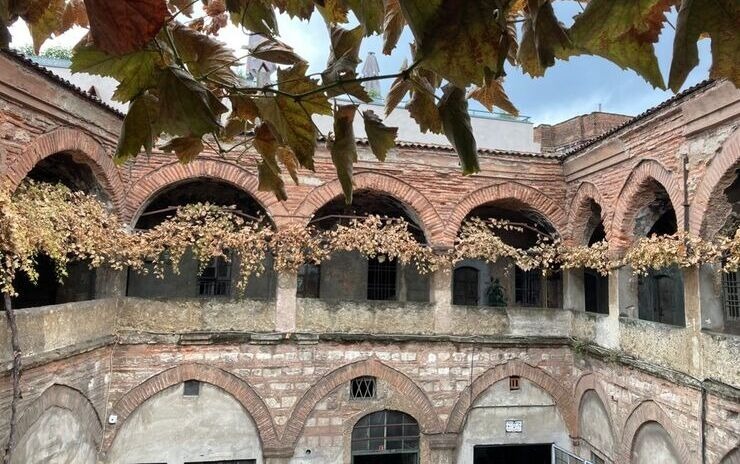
(492,95)
(244,107)
(288,158)
(392,26)
(268,170)
(453,110)
(398,90)
(380,137)
(47,23)
(422,106)
(344,148)
(186,148)
(124,26)
(274,51)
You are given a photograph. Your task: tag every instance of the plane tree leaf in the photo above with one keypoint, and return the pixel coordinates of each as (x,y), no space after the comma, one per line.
(623,32)
(344,148)
(720,20)
(543,38)
(493,94)
(205,56)
(380,137)
(274,51)
(422,106)
(453,110)
(123,26)
(185,148)
(139,128)
(343,61)
(244,107)
(254,15)
(393,24)
(135,71)
(268,170)
(396,93)
(288,159)
(187,107)
(370,14)
(295,8)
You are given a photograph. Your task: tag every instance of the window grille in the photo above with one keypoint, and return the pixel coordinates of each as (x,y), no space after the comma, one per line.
(731,295)
(309,281)
(560,456)
(385,432)
(465,286)
(514,383)
(215,280)
(191,388)
(381,279)
(362,388)
(527,286)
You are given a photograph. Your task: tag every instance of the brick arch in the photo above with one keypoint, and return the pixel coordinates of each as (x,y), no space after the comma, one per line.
(732,456)
(147,187)
(64,397)
(649,411)
(431,222)
(420,407)
(578,212)
(231,384)
(589,382)
(87,151)
(728,157)
(620,234)
(563,398)
(508,190)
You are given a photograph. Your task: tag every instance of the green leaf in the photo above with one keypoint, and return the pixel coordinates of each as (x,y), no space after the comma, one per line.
(380,137)
(460,53)
(205,56)
(422,106)
(543,38)
(186,148)
(493,94)
(254,15)
(187,107)
(291,119)
(295,8)
(139,128)
(369,13)
(268,170)
(124,26)
(275,51)
(393,25)
(344,148)
(716,18)
(135,72)
(623,32)
(453,109)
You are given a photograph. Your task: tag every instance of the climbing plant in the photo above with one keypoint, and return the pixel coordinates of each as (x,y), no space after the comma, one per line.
(176,77)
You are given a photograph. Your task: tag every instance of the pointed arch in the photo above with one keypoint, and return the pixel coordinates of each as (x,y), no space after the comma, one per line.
(649,411)
(621,232)
(145,189)
(393,186)
(83,148)
(507,190)
(579,211)
(589,382)
(421,407)
(231,384)
(562,397)
(723,161)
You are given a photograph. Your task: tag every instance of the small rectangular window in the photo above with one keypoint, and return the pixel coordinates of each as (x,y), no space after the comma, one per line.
(381,279)
(215,280)
(191,388)
(362,388)
(309,281)
(514,382)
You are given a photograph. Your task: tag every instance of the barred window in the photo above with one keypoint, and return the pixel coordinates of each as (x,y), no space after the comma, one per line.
(381,279)
(465,286)
(731,295)
(386,432)
(563,457)
(215,280)
(362,388)
(309,281)
(527,286)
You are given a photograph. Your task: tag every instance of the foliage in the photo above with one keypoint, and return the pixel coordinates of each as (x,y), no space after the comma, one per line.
(66,226)
(59,53)
(176,75)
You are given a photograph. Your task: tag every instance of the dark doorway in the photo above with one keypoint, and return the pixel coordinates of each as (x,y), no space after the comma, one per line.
(512,454)
(395,458)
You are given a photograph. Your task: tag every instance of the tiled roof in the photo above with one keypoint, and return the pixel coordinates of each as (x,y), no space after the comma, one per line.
(23,60)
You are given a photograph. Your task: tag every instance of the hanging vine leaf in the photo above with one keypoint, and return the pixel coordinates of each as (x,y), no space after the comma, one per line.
(124,26)
(370,14)
(393,25)
(543,38)
(139,128)
(716,18)
(205,56)
(344,148)
(48,23)
(186,148)
(187,107)
(343,61)
(289,160)
(623,32)
(422,106)
(493,94)
(380,137)
(453,109)
(254,15)
(295,8)
(268,170)
(398,90)
(275,51)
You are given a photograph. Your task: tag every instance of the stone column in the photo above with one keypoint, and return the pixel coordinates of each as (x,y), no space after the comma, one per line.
(442,299)
(712,316)
(692,313)
(573,290)
(623,293)
(443,448)
(286,302)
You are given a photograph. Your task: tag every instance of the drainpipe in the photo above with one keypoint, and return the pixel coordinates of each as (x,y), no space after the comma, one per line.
(685,159)
(703,422)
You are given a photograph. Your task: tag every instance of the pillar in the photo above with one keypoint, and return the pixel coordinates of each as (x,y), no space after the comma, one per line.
(573,290)
(442,299)
(286,302)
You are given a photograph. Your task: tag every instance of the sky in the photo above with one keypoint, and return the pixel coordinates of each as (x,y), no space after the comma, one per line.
(577,86)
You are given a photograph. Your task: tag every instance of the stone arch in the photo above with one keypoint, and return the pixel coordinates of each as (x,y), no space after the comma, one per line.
(578,212)
(620,234)
(410,196)
(146,188)
(508,190)
(231,384)
(732,456)
(589,383)
(84,148)
(422,408)
(645,412)
(728,157)
(64,397)
(562,397)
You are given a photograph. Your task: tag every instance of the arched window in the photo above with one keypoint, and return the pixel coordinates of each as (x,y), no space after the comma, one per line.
(387,437)
(465,286)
